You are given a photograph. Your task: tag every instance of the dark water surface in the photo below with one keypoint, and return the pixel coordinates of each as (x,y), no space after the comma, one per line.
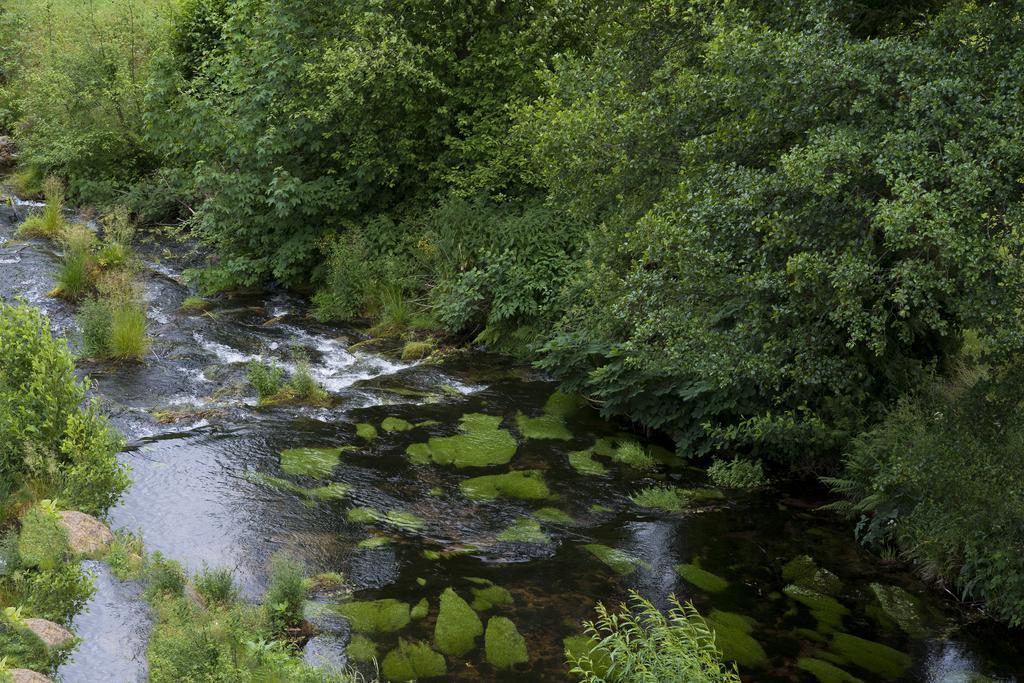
(209,488)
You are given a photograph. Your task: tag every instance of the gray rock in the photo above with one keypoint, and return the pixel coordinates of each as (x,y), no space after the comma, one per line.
(53,635)
(26,676)
(86,534)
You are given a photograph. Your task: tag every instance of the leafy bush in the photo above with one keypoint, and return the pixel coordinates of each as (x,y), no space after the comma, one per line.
(737,473)
(58,594)
(287,593)
(937,480)
(640,643)
(43,542)
(217,586)
(20,646)
(164,577)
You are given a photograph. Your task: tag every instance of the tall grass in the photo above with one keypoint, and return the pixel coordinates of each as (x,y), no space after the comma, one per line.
(128,340)
(76,275)
(50,223)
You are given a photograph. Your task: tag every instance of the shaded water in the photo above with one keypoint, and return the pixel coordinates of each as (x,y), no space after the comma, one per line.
(208,490)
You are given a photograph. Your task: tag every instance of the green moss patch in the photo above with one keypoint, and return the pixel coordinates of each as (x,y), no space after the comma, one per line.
(420,610)
(520,484)
(900,608)
(373,542)
(805,572)
(503,645)
(362,515)
(490,596)
(336,491)
(366,431)
(395,424)
(482,443)
(732,636)
(584,463)
(524,530)
(825,672)
(826,609)
(407,521)
(701,578)
(361,649)
(310,462)
(376,616)
(554,515)
(543,427)
(578,647)
(620,562)
(871,656)
(457,626)
(412,661)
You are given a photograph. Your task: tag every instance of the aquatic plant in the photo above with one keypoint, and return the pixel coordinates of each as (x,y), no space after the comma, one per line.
(805,572)
(519,484)
(504,647)
(543,427)
(366,431)
(489,595)
(639,642)
(481,443)
(877,658)
(373,542)
(286,593)
(554,515)
(825,672)
(420,609)
(619,561)
(395,424)
(361,649)
(193,304)
(310,462)
(701,578)
(50,223)
(457,626)
(827,610)
(733,639)
(584,463)
(128,338)
(524,530)
(737,474)
(376,616)
(412,661)
(266,379)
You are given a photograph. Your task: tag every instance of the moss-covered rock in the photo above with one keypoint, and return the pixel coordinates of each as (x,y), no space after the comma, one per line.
(543,427)
(361,649)
(702,578)
(376,616)
(578,647)
(310,462)
(554,515)
(584,463)
(827,610)
(335,491)
(900,608)
(417,350)
(395,424)
(826,672)
(490,595)
(482,443)
(362,515)
(524,530)
(401,519)
(805,572)
(412,661)
(732,636)
(503,645)
(366,431)
(879,659)
(520,484)
(457,626)
(420,610)
(619,561)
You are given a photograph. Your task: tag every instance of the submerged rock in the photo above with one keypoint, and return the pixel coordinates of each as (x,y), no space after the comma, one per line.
(412,661)
(827,610)
(521,484)
(395,424)
(732,636)
(366,431)
(871,656)
(901,608)
(826,672)
(376,616)
(805,572)
(503,644)
(543,427)
(701,578)
(481,444)
(54,636)
(421,610)
(457,626)
(620,562)
(524,530)
(86,534)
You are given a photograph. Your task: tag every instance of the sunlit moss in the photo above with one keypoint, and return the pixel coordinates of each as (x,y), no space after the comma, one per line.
(584,463)
(805,572)
(620,562)
(481,444)
(457,626)
(520,484)
(701,578)
(543,427)
(396,518)
(361,649)
(310,462)
(335,491)
(524,530)
(395,424)
(412,661)
(362,515)
(553,515)
(420,609)
(366,431)
(826,609)
(732,636)
(825,672)
(503,645)
(376,616)
(871,656)
(490,595)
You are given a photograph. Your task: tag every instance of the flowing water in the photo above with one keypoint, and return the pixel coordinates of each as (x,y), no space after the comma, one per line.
(215,483)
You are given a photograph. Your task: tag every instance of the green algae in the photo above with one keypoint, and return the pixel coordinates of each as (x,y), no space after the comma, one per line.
(584,463)
(598,509)
(395,424)
(701,578)
(550,427)
(411,661)
(362,515)
(553,515)
(826,609)
(490,596)
(366,431)
(310,462)
(732,636)
(361,649)
(524,530)
(406,521)
(580,647)
(805,572)
(420,609)
(620,562)
(481,444)
(336,491)
(520,484)
(825,672)
(871,656)
(427,423)
(376,616)
(900,607)
(504,647)
(457,626)
(436,492)
(420,581)
(373,542)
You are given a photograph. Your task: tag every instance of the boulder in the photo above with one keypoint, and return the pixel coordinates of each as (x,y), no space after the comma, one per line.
(86,534)
(53,635)
(26,676)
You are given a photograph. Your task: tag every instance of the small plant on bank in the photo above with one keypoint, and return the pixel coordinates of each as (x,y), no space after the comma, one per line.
(50,223)
(266,379)
(216,586)
(286,594)
(738,474)
(164,577)
(126,556)
(640,643)
(666,498)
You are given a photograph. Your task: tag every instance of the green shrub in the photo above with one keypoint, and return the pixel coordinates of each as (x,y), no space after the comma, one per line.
(164,577)
(95,320)
(266,379)
(737,474)
(50,223)
(343,294)
(126,556)
(217,586)
(286,594)
(20,647)
(58,594)
(639,643)
(43,542)
(302,384)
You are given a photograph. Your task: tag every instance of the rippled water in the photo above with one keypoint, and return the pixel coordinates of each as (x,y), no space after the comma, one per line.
(200,495)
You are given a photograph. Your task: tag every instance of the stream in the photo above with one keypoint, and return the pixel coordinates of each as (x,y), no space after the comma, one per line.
(221,482)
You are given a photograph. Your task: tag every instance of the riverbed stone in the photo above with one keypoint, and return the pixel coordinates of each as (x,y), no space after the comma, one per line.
(86,534)
(54,636)
(26,676)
